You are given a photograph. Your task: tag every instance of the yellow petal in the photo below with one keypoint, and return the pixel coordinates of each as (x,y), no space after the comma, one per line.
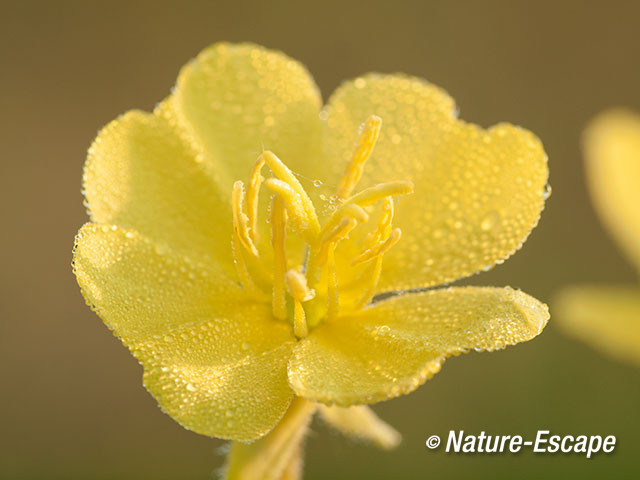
(139,174)
(395,345)
(612,153)
(213,360)
(607,318)
(362,423)
(478,193)
(235,101)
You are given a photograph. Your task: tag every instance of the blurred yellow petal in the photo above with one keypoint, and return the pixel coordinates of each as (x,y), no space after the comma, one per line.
(139,174)
(395,345)
(612,151)
(478,193)
(213,360)
(360,422)
(234,101)
(605,317)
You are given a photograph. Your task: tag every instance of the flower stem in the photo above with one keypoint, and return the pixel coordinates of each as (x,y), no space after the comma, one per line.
(278,455)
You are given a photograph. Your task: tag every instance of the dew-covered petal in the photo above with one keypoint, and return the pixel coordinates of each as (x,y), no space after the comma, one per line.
(140,174)
(361,423)
(612,154)
(214,361)
(235,101)
(394,346)
(605,317)
(478,193)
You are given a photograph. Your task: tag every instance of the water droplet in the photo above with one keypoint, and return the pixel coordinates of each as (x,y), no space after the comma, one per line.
(490,221)
(382,330)
(317,183)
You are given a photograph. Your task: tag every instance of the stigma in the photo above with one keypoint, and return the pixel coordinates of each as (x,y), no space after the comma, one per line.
(305,290)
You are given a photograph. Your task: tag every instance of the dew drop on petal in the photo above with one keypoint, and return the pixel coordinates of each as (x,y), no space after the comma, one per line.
(490,221)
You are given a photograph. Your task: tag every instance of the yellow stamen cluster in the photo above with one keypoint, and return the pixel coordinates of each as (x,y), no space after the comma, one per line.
(293,287)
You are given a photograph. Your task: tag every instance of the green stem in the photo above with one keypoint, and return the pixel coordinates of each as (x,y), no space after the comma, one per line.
(276,455)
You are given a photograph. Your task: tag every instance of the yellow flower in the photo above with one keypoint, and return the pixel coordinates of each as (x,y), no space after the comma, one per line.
(608,317)
(238,235)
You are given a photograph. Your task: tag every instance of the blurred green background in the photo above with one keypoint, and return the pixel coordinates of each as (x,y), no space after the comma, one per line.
(71,401)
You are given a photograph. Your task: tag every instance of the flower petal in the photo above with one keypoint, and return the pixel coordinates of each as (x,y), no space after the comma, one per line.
(478,193)
(607,318)
(213,360)
(235,101)
(395,345)
(612,153)
(140,174)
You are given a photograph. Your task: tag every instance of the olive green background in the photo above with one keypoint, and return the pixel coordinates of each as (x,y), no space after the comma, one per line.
(71,401)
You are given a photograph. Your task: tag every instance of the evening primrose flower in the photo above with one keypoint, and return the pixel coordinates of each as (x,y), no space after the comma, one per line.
(261,255)
(608,317)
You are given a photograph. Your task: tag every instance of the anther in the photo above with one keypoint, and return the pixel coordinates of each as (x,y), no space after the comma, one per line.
(278,222)
(350,210)
(253,191)
(281,171)
(297,286)
(379,249)
(384,224)
(332,237)
(240,219)
(292,201)
(364,147)
(371,195)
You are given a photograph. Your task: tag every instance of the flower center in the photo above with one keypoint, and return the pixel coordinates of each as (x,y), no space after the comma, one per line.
(305,290)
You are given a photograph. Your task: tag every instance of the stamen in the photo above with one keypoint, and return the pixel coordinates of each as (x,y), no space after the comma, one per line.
(278,228)
(297,286)
(333,237)
(350,210)
(371,195)
(384,224)
(292,200)
(300,327)
(243,273)
(378,249)
(281,171)
(333,299)
(364,148)
(372,281)
(298,289)
(240,219)
(253,190)
(371,277)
